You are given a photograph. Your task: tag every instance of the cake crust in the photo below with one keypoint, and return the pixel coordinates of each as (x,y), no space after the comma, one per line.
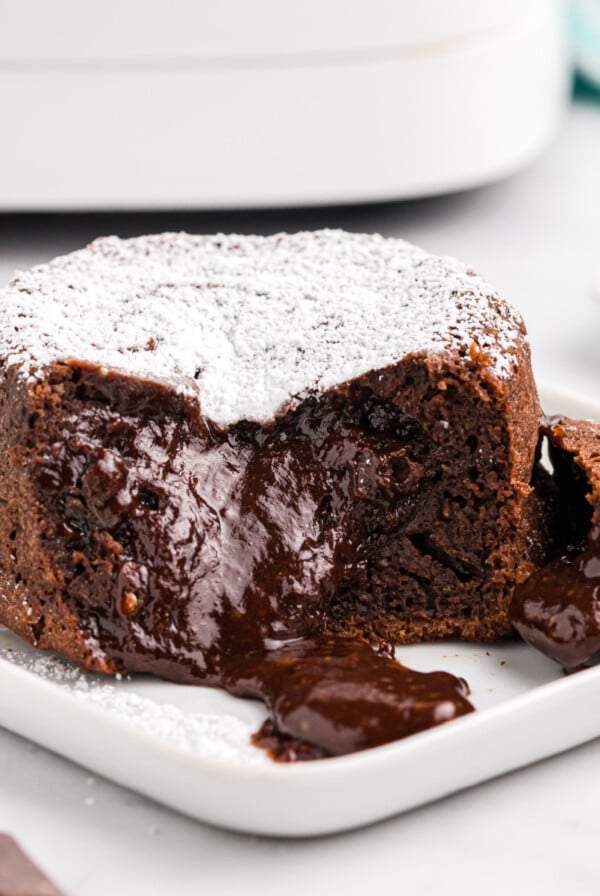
(251,325)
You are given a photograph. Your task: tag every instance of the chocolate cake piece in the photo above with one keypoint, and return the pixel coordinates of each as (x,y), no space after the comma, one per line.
(18,875)
(212,445)
(575,454)
(557,610)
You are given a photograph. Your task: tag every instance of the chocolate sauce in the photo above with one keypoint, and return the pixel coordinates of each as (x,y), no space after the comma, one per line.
(210,556)
(283,748)
(211,542)
(18,875)
(340,696)
(557,610)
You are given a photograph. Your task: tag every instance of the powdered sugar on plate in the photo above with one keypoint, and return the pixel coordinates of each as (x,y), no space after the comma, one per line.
(213,736)
(250,323)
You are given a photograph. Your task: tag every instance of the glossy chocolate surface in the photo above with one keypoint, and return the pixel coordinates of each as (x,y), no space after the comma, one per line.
(558,609)
(221,550)
(211,541)
(339,695)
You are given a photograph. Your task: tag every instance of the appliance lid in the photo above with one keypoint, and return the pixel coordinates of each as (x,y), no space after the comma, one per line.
(176,33)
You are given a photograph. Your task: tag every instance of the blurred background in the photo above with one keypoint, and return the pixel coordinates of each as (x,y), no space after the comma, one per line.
(471,127)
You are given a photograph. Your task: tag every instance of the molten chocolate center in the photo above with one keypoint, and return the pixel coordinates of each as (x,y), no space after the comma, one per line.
(222,551)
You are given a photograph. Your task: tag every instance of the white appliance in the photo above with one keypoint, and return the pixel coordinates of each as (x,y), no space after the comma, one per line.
(244,103)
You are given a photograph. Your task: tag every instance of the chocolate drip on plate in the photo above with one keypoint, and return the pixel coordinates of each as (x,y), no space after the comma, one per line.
(332,695)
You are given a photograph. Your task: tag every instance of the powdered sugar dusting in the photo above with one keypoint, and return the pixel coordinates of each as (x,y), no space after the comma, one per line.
(249,323)
(219,737)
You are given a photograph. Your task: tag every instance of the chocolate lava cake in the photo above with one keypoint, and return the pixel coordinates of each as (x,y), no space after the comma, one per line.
(213,445)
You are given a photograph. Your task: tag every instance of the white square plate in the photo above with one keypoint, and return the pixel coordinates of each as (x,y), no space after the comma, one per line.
(189,747)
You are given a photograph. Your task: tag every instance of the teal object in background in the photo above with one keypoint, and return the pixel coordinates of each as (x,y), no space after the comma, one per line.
(585,29)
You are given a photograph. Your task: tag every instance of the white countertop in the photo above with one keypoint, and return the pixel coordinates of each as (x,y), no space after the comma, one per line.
(537,238)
